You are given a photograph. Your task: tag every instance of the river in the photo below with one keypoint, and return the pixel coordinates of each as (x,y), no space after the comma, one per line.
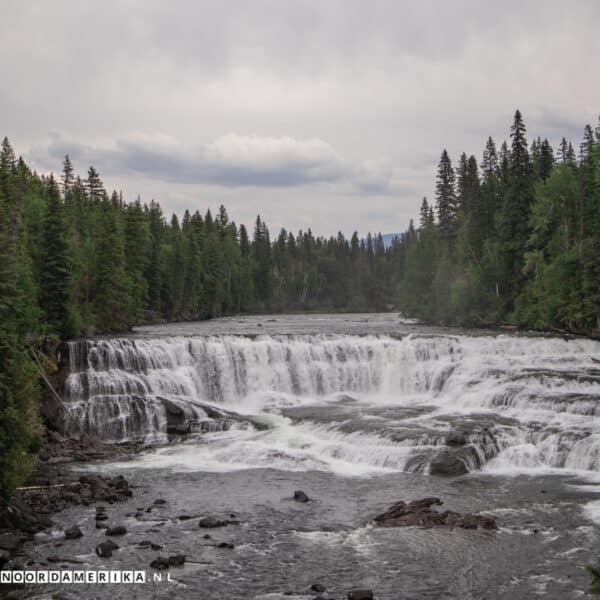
(358,411)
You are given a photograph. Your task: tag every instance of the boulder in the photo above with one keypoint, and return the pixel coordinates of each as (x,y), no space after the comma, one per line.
(72,533)
(160,563)
(212,522)
(300,496)
(9,541)
(318,587)
(226,545)
(447,463)
(105,549)
(116,530)
(420,513)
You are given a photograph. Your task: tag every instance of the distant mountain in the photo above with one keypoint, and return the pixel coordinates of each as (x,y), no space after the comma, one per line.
(388,238)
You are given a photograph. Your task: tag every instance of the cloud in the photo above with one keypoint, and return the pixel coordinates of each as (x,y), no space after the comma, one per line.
(339,109)
(231,160)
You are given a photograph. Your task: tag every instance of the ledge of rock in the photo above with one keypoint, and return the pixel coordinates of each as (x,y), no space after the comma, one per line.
(420,513)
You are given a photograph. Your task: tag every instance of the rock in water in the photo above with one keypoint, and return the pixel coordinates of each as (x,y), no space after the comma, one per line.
(116,530)
(300,496)
(160,564)
(176,560)
(446,463)
(9,541)
(360,595)
(73,533)
(212,522)
(105,549)
(420,513)
(318,587)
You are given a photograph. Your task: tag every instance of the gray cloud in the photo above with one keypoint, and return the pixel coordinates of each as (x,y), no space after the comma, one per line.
(231,161)
(339,108)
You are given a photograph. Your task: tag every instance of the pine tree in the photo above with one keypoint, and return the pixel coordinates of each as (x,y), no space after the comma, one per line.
(55,285)
(515,229)
(446,200)
(94,186)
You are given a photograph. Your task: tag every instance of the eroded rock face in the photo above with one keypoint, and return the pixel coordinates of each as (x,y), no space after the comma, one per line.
(420,513)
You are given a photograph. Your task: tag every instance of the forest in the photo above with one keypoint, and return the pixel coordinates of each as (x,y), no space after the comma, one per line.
(512,238)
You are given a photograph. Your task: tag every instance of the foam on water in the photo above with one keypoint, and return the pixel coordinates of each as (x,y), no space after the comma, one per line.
(539,399)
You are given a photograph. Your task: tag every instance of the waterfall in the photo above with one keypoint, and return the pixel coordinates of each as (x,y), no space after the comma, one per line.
(518,401)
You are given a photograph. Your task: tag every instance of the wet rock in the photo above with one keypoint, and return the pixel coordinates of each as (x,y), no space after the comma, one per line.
(456,438)
(9,541)
(318,587)
(105,549)
(226,545)
(53,558)
(212,522)
(420,513)
(207,536)
(145,544)
(159,501)
(360,595)
(156,546)
(73,533)
(116,530)
(160,563)
(4,558)
(43,455)
(447,463)
(300,496)
(176,560)
(185,517)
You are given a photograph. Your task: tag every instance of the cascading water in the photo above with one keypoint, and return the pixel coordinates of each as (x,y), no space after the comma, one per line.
(429,403)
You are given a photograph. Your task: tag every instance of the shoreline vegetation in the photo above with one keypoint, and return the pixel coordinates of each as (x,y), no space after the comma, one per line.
(511,241)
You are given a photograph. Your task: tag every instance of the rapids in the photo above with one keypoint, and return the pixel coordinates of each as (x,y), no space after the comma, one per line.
(346,403)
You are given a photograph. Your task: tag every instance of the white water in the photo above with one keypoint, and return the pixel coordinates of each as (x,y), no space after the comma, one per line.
(539,399)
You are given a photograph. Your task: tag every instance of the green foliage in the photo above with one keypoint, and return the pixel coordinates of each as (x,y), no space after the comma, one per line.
(524,246)
(594,572)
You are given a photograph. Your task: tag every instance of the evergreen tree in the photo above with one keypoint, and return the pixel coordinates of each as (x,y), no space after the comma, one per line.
(446,200)
(56,265)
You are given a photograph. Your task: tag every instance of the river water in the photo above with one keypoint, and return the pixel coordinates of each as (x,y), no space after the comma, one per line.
(359,411)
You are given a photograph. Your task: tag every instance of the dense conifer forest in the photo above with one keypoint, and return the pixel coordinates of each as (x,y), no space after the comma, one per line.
(512,237)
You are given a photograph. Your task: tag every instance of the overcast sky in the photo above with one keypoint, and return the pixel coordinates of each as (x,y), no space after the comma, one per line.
(328,114)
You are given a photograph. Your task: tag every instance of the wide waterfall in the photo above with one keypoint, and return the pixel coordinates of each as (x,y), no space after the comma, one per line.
(420,402)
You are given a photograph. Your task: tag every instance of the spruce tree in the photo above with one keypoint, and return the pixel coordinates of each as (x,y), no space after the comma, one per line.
(446,201)
(55,284)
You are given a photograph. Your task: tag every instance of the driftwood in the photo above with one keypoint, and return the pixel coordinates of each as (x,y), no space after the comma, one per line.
(32,488)
(47,381)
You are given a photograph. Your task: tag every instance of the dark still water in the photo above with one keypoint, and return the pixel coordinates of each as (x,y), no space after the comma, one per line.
(359,412)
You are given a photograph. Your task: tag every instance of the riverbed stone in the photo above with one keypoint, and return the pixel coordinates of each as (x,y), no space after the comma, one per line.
(447,463)
(116,530)
(176,560)
(213,522)
(300,496)
(360,595)
(72,533)
(160,563)
(105,549)
(420,513)
(9,541)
